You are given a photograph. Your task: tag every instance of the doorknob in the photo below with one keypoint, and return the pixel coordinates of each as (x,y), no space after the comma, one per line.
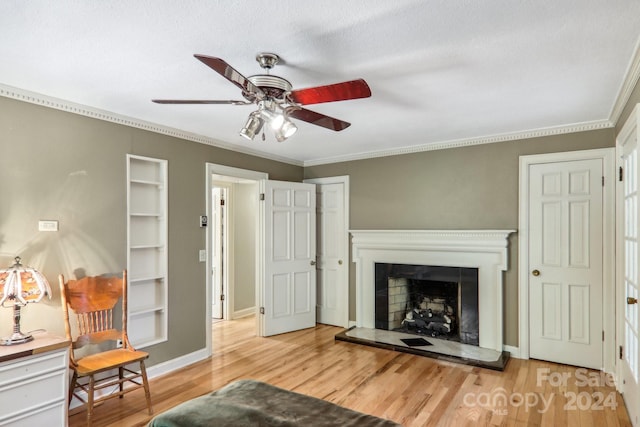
(313,262)
(631,300)
(536,273)
(339,262)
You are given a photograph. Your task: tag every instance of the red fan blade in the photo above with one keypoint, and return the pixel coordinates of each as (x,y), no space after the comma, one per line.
(353,89)
(229,73)
(318,119)
(198,101)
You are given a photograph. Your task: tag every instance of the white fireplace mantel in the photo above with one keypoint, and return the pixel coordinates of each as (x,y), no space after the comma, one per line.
(486,250)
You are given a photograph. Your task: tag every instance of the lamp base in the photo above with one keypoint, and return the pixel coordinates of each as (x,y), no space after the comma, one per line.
(16,338)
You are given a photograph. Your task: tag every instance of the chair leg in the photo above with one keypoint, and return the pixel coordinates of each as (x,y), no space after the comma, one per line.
(120,377)
(72,386)
(90,400)
(145,382)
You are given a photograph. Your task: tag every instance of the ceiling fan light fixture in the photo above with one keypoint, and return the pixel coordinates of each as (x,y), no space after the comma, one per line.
(253,126)
(288,128)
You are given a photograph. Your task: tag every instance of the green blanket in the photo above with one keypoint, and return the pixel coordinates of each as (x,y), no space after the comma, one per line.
(252,403)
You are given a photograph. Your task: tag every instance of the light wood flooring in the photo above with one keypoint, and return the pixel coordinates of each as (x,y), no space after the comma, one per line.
(411,390)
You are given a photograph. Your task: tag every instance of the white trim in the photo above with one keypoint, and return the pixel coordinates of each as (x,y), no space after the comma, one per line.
(344,179)
(607,155)
(626,89)
(228,279)
(486,250)
(108,116)
(245,312)
(216,169)
(513,351)
(466,142)
(96,113)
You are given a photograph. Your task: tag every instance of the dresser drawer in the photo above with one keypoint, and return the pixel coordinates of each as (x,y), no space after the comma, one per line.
(33,366)
(50,415)
(32,393)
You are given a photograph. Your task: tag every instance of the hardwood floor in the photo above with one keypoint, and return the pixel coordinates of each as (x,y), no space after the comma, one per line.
(411,390)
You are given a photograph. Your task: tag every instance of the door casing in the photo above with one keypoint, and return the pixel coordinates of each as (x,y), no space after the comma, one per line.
(215,169)
(607,155)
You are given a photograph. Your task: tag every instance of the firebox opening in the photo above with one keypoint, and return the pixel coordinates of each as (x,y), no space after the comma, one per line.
(431,309)
(432,301)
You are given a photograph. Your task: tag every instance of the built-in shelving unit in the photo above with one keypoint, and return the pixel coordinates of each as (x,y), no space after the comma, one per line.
(147,250)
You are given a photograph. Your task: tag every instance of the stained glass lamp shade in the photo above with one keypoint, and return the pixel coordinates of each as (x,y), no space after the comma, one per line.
(20,285)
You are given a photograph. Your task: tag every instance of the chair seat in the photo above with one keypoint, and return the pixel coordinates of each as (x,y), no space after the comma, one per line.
(106,360)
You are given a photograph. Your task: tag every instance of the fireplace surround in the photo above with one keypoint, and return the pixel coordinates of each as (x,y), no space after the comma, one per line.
(484,250)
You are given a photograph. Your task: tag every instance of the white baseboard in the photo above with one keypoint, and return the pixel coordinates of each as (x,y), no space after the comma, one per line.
(515,351)
(246,312)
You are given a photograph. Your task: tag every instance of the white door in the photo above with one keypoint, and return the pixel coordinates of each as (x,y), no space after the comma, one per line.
(566,262)
(287,291)
(629,367)
(332,239)
(216,224)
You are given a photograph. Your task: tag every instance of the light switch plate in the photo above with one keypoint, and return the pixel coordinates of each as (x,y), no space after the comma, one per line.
(202,255)
(47,225)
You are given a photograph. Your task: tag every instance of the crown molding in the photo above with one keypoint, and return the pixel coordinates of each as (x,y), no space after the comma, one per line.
(458,143)
(96,113)
(87,111)
(630,81)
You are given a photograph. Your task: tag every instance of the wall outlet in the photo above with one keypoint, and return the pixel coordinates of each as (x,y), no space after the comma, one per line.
(202,255)
(119,344)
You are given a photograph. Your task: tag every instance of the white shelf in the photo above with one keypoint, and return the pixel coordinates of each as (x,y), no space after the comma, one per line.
(143,182)
(146,250)
(158,246)
(145,279)
(143,311)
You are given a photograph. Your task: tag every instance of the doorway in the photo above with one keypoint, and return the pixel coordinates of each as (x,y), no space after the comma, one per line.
(231,242)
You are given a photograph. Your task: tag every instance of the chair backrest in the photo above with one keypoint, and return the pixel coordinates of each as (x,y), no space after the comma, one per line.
(93,300)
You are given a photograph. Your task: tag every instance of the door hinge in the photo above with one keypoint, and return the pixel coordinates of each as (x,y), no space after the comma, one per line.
(620,174)
(222,297)
(603,181)
(261,310)
(221,202)
(602,335)
(262,196)
(620,354)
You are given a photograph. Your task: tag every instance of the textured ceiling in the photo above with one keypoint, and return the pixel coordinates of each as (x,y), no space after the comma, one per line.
(439,70)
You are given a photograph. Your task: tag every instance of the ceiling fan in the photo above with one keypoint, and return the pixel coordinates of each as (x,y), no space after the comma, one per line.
(276,99)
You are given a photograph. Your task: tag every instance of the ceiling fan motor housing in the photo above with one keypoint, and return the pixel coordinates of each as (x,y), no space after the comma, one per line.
(273,86)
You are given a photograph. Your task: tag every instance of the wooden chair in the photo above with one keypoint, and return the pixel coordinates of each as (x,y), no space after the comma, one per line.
(93,299)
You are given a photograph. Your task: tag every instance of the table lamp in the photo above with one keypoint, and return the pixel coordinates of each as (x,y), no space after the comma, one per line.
(20,285)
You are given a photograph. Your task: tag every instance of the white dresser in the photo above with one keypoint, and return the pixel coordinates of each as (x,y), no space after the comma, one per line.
(34,382)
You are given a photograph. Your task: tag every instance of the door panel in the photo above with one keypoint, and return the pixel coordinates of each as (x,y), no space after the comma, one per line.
(332,254)
(288,280)
(566,258)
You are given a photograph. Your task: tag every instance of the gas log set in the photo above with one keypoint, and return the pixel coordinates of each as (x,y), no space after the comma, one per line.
(434,317)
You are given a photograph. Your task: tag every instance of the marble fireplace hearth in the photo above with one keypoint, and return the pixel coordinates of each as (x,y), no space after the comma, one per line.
(484,250)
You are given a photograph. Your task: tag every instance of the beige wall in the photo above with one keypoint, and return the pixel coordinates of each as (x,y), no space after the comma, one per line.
(61,166)
(464,188)
(58,165)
